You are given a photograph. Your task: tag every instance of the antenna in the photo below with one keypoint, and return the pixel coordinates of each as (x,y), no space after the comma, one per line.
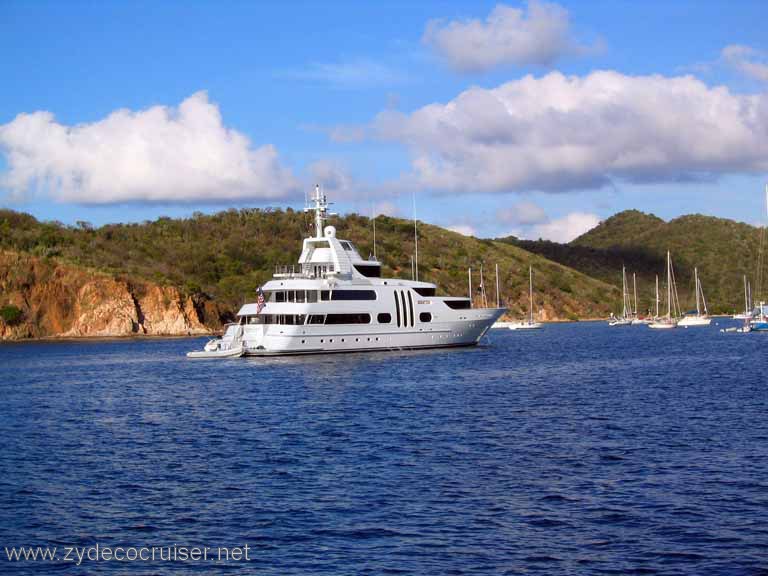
(373,219)
(469,275)
(415,238)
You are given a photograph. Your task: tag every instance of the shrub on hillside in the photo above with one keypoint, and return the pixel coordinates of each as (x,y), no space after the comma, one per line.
(11,314)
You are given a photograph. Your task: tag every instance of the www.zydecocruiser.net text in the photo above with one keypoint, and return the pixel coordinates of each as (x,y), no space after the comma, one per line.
(100,553)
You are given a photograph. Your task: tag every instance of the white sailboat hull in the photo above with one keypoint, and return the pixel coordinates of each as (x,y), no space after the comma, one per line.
(524,325)
(662,325)
(695,321)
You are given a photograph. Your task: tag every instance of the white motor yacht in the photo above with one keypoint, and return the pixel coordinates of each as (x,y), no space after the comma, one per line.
(336,301)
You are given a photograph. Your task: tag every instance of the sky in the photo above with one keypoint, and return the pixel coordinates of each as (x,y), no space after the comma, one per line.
(537,119)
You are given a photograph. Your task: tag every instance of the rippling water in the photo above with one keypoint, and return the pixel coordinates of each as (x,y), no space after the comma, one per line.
(576,449)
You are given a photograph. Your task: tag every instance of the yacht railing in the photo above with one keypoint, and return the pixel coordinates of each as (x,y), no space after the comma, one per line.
(299,271)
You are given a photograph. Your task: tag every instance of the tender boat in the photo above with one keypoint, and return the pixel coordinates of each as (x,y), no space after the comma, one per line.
(229,345)
(336,301)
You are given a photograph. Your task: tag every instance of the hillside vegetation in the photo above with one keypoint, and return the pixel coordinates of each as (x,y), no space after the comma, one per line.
(723,251)
(226,256)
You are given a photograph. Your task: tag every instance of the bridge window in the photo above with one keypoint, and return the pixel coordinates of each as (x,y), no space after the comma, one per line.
(384,318)
(463,304)
(369,270)
(425,291)
(316,319)
(348,319)
(353,295)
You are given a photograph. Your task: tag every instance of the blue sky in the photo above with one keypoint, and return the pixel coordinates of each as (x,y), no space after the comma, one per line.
(389,78)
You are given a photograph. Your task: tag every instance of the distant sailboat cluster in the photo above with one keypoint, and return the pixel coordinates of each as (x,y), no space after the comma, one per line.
(674,316)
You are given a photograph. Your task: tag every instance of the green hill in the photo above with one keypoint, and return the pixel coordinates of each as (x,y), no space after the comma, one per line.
(723,251)
(226,256)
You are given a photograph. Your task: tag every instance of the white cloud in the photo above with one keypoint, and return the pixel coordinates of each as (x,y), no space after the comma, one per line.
(566,228)
(538,36)
(333,178)
(558,133)
(746,60)
(464,229)
(523,213)
(386,208)
(159,154)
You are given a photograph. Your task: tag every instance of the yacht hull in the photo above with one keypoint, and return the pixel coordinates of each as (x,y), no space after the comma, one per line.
(292,340)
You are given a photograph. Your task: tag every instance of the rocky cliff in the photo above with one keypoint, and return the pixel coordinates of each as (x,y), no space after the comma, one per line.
(57,299)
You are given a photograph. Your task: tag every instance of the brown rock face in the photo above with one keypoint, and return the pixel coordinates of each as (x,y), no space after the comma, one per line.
(62,300)
(165,311)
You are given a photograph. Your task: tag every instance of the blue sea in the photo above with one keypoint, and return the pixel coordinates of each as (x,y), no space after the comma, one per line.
(575,449)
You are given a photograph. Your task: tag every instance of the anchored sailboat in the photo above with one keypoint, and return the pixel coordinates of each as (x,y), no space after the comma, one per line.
(530,324)
(699,319)
(626,314)
(673,306)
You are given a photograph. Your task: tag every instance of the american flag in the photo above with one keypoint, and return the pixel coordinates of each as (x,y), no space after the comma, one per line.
(260,302)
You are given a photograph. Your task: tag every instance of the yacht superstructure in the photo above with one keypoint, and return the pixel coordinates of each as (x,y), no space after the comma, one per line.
(334,300)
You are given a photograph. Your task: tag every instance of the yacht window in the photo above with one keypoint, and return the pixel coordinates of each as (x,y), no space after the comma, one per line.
(348,319)
(405,310)
(425,317)
(384,318)
(347,246)
(324,295)
(311,295)
(410,306)
(279,296)
(300,318)
(424,291)
(316,319)
(369,270)
(462,304)
(397,308)
(353,295)
(291,296)
(300,296)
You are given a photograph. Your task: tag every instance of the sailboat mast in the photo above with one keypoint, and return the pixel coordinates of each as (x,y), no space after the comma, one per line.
(746,297)
(530,293)
(415,240)
(624,291)
(657,295)
(634,285)
(669,287)
(498,298)
(698,289)
(469,277)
